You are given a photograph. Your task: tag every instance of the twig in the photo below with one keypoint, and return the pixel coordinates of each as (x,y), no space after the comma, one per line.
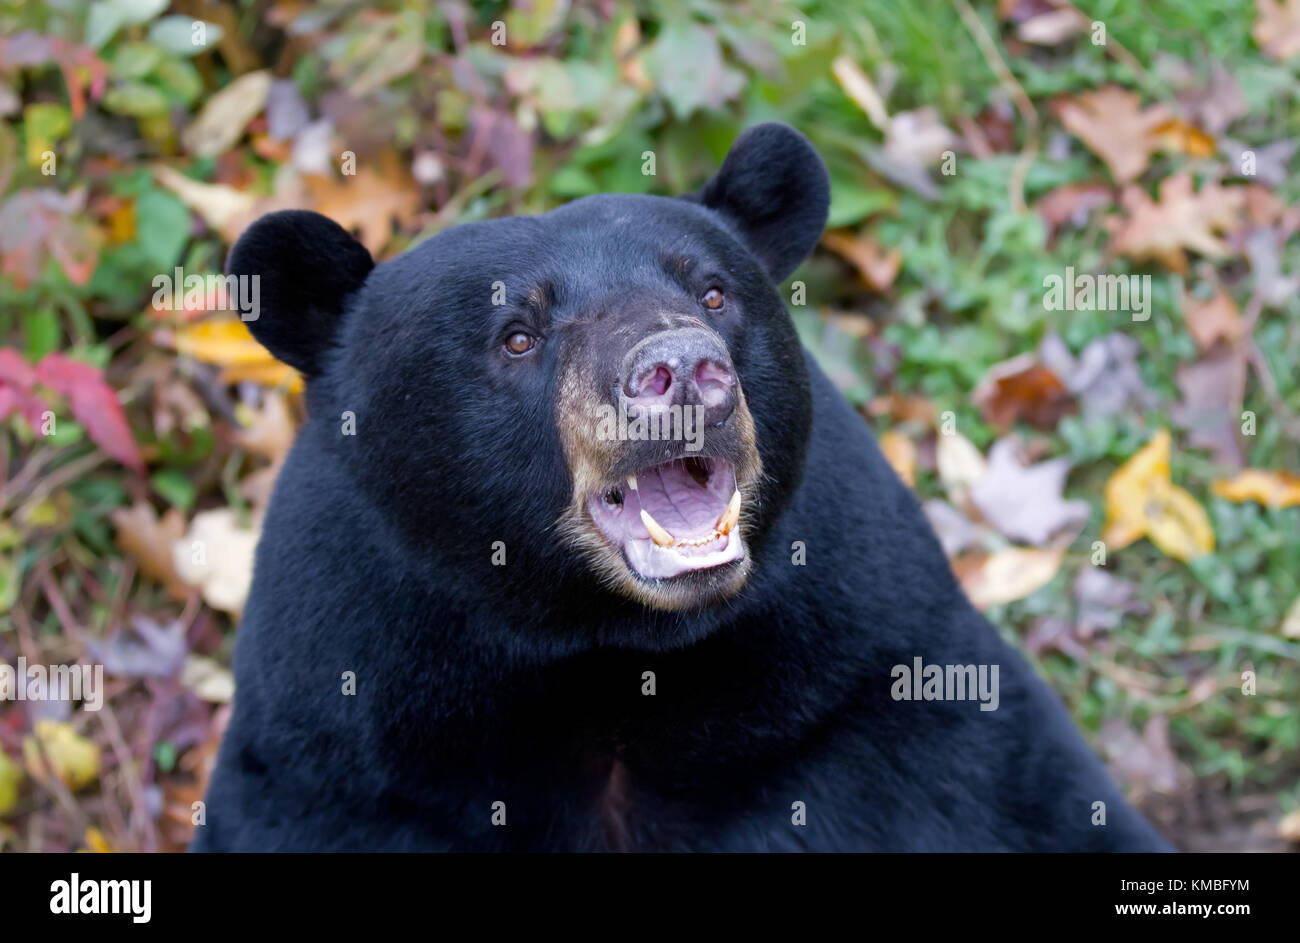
(989,49)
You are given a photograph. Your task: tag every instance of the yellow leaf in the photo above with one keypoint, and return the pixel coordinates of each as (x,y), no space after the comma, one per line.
(96,842)
(74,759)
(901,454)
(228,344)
(1178,525)
(11,777)
(1141,501)
(1274,489)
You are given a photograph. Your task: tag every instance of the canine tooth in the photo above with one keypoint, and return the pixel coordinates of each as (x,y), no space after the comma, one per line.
(631,482)
(657,532)
(730,515)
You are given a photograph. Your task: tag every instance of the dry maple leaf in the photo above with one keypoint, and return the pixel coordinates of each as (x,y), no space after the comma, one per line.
(1112,123)
(1212,321)
(1277,30)
(1024,502)
(148,540)
(1182,219)
(877,266)
(369,201)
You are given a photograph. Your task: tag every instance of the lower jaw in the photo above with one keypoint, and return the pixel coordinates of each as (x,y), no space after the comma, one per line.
(648,561)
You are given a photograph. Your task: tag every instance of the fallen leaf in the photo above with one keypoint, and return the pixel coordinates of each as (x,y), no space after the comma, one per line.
(1115,127)
(1142,501)
(1144,764)
(225,209)
(1025,502)
(217,556)
(223,119)
(208,680)
(901,455)
(954,529)
(1289,827)
(1274,489)
(877,266)
(917,138)
(1182,137)
(149,651)
(370,201)
(1007,575)
(148,540)
(1102,601)
(228,343)
(73,758)
(1181,219)
(1022,389)
(1213,320)
(1213,389)
(1277,27)
(269,433)
(960,466)
(1072,203)
(1105,379)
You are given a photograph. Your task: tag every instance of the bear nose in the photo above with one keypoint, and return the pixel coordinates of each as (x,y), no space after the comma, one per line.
(685,367)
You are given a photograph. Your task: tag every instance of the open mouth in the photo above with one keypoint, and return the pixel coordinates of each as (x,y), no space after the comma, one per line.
(674,518)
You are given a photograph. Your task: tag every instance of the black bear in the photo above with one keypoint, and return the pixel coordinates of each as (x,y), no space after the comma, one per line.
(580,550)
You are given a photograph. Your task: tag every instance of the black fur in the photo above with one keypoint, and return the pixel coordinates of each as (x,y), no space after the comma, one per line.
(523,683)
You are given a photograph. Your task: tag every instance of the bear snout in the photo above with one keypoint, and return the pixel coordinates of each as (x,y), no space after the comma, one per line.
(687,367)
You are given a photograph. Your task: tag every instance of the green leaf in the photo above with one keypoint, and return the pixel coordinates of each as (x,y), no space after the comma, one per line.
(106,17)
(167,230)
(177,35)
(42,332)
(136,99)
(175,487)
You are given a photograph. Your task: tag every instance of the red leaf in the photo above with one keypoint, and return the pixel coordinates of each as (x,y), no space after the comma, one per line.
(94,404)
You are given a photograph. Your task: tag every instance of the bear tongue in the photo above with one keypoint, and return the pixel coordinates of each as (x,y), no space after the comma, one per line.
(676,501)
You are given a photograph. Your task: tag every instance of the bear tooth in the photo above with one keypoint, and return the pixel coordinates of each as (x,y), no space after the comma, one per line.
(657,532)
(730,515)
(631,482)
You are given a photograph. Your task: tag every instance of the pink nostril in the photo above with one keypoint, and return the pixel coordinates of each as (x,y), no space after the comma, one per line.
(657,383)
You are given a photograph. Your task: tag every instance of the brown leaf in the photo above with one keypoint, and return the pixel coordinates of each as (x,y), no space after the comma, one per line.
(1182,219)
(877,266)
(1022,389)
(1072,203)
(1213,389)
(901,455)
(1277,30)
(1114,126)
(374,201)
(141,535)
(1214,320)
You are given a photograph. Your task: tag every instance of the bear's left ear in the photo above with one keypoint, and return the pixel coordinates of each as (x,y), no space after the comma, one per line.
(306,265)
(774,187)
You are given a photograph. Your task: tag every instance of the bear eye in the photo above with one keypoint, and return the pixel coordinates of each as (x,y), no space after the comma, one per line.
(519,343)
(713,299)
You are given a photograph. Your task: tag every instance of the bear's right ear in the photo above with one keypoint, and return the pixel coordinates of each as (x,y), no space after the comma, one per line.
(305,266)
